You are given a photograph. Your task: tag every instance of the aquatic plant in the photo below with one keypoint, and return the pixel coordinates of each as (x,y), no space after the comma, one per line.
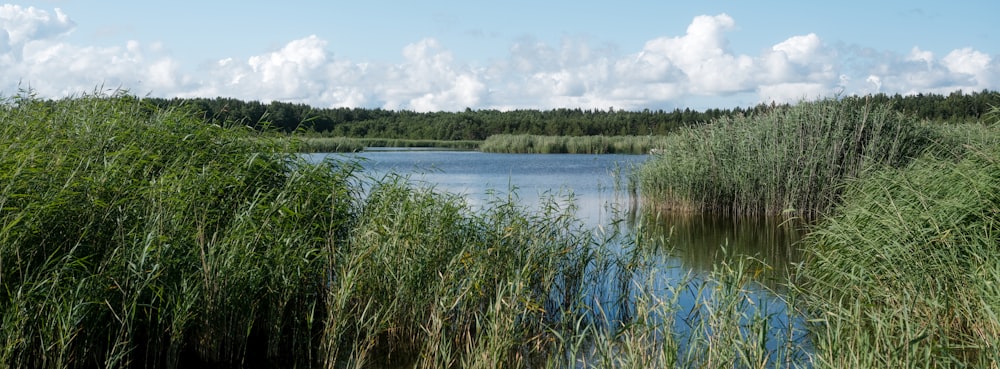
(905,272)
(133,236)
(536,144)
(788,160)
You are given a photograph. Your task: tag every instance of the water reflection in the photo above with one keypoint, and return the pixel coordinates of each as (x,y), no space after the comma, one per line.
(646,257)
(700,241)
(700,268)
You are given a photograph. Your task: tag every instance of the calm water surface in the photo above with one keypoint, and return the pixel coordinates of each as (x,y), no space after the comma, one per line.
(596,185)
(590,179)
(598,188)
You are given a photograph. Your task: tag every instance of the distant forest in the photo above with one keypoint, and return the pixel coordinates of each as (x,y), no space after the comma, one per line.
(479,124)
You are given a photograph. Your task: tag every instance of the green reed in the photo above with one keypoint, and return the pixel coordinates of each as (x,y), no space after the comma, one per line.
(351,144)
(329,144)
(535,144)
(153,236)
(790,160)
(905,272)
(138,237)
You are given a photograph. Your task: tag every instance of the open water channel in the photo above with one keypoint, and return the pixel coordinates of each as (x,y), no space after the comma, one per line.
(597,185)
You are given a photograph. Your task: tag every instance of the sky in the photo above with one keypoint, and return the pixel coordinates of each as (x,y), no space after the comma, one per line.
(443,55)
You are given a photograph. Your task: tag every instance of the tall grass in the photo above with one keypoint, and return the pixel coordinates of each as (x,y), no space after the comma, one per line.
(535,144)
(787,160)
(351,144)
(329,144)
(135,236)
(138,237)
(447,287)
(906,272)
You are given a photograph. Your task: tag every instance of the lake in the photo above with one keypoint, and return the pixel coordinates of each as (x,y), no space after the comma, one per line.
(597,185)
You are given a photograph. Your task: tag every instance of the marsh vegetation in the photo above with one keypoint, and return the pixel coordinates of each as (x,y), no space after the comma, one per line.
(537,144)
(900,262)
(133,235)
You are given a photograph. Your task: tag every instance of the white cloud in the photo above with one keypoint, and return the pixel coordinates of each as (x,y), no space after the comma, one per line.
(163,75)
(701,56)
(921,72)
(306,71)
(876,82)
(799,49)
(793,92)
(285,74)
(977,66)
(665,72)
(28,24)
(918,55)
(429,79)
(33,54)
(967,61)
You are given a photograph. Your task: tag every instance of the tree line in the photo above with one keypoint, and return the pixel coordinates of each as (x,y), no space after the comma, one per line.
(479,124)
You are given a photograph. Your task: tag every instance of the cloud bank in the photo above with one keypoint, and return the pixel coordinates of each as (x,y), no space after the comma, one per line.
(700,64)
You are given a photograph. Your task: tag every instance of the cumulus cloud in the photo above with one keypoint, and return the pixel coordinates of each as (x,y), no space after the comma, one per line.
(701,57)
(977,66)
(918,55)
(429,79)
(306,71)
(665,72)
(27,24)
(33,53)
(922,72)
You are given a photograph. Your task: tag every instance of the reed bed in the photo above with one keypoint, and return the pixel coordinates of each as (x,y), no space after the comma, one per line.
(328,144)
(535,144)
(788,160)
(137,237)
(442,144)
(132,236)
(905,273)
(351,144)
(141,237)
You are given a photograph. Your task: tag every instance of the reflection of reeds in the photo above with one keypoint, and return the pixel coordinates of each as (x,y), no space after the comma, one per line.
(702,240)
(718,319)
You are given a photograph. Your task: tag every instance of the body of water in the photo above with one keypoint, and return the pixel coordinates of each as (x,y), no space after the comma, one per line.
(597,186)
(590,180)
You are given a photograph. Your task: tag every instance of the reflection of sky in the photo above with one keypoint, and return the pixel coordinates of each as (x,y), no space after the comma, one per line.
(588,179)
(590,182)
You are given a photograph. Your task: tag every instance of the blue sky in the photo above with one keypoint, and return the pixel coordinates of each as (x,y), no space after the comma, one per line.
(449,55)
